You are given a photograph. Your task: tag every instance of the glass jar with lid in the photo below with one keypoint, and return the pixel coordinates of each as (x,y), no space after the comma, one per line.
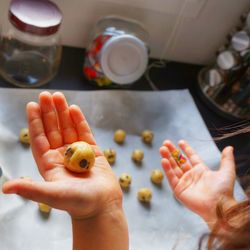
(117,53)
(30,51)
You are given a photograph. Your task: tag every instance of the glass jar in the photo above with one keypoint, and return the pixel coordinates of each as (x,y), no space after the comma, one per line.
(30,52)
(117,53)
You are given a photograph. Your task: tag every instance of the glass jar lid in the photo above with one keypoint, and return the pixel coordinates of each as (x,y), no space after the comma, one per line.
(213,77)
(240,41)
(226,60)
(124,59)
(39,17)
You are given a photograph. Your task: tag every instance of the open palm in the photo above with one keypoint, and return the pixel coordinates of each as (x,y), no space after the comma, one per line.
(52,126)
(194,184)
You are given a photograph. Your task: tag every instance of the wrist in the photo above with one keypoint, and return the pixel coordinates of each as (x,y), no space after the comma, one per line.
(106,230)
(97,204)
(103,211)
(214,220)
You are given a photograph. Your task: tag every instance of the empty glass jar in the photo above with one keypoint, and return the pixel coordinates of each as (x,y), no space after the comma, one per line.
(30,51)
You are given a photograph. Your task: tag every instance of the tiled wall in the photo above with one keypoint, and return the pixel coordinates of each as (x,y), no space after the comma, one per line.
(201,29)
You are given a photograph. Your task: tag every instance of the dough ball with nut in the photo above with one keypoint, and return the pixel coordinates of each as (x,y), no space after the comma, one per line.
(147,136)
(137,155)
(79,157)
(119,136)
(125,180)
(44,208)
(144,195)
(24,136)
(157,176)
(110,155)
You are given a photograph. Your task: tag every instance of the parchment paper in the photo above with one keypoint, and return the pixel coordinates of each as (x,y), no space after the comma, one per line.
(165,224)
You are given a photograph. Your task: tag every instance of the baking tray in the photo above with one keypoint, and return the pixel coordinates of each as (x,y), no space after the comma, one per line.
(165,223)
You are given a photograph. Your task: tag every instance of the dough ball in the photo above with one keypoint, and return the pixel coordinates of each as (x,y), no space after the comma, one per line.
(26,178)
(119,136)
(157,176)
(24,136)
(79,157)
(110,155)
(125,180)
(137,155)
(144,195)
(147,136)
(44,208)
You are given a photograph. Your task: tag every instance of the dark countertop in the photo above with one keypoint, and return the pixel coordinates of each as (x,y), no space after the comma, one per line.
(172,76)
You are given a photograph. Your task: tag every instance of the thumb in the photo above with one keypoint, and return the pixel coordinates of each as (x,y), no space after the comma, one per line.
(227,165)
(44,192)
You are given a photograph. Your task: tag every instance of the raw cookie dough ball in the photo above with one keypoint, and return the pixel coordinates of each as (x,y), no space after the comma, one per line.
(119,136)
(26,178)
(24,136)
(157,176)
(110,155)
(44,208)
(147,136)
(137,155)
(125,180)
(79,157)
(144,195)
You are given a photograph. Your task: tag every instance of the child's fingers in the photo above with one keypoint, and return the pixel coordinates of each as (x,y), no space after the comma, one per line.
(192,156)
(38,139)
(44,192)
(227,162)
(81,125)
(66,124)
(181,161)
(49,118)
(167,155)
(170,173)
(165,152)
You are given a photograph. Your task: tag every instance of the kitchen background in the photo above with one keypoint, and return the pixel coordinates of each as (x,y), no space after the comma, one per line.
(180,30)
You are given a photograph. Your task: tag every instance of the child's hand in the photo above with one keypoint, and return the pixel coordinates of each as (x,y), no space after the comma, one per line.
(53,125)
(195,185)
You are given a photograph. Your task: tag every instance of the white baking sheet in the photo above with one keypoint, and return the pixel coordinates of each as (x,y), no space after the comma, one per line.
(163,225)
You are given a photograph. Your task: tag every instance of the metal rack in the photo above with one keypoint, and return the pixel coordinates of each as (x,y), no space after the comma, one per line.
(226,83)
